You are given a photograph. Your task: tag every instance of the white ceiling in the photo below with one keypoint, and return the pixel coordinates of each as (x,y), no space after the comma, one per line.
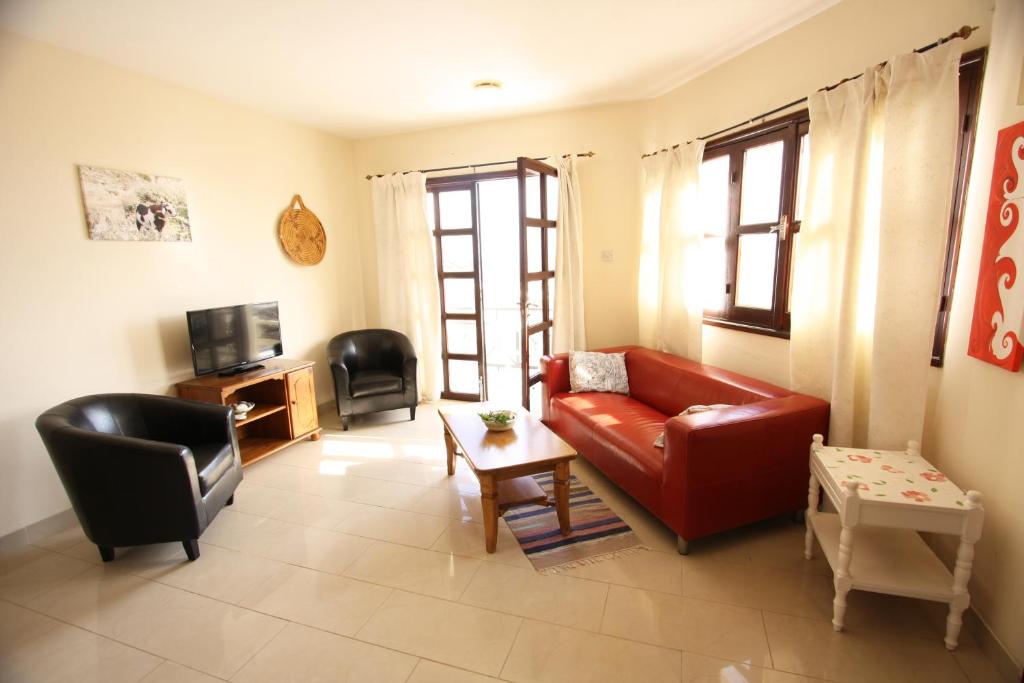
(370,67)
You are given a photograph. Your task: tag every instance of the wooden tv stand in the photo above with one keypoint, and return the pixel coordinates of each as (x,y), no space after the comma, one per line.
(285,399)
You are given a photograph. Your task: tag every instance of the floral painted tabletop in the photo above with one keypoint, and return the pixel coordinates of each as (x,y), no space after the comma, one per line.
(894,476)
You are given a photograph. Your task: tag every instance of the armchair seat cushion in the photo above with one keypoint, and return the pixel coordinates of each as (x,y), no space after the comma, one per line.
(373,383)
(213,461)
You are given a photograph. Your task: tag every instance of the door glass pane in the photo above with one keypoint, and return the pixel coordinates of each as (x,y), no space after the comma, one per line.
(762,184)
(714,195)
(552,247)
(532,195)
(459,295)
(536,351)
(456,253)
(713,259)
(461,336)
(801,178)
(533,250)
(552,189)
(537,400)
(551,299)
(755,270)
(456,209)
(534,302)
(464,376)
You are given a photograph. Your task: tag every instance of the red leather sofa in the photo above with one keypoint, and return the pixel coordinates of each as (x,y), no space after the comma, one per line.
(719,469)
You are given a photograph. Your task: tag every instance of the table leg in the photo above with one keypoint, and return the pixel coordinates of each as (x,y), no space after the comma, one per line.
(813,491)
(842,581)
(489,502)
(449,443)
(562,497)
(961,598)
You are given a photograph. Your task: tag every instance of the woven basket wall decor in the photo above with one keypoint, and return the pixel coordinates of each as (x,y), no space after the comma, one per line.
(301,234)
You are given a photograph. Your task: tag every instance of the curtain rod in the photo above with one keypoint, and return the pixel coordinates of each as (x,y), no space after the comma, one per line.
(964,32)
(489,163)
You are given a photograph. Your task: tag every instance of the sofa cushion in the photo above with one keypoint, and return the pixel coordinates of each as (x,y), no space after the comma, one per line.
(212,462)
(372,383)
(615,433)
(594,371)
(671,384)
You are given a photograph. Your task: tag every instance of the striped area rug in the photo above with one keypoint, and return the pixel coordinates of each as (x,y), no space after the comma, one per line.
(597,532)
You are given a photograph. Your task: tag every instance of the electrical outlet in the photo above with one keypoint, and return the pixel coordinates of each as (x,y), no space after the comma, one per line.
(607,255)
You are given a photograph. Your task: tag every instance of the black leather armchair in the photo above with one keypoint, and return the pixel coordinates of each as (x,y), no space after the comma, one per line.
(373,370)
(143,469)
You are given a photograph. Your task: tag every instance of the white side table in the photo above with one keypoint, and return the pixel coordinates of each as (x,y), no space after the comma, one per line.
(884,498)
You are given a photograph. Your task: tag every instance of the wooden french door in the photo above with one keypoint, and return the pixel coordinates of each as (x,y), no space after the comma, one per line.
(453,211)
(538,215)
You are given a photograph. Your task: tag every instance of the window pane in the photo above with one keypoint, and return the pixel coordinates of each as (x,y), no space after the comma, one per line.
(714,195)
(464,376)
(533,250)
(461,336)
(456,209)
(532,195)
(755,270)
(713,257)
(456,253)
(801,178)
(534,302)
(459,295)
(552,197)
(762,184)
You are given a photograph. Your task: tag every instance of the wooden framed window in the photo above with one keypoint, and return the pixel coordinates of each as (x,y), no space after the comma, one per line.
(749,190)
(753,192)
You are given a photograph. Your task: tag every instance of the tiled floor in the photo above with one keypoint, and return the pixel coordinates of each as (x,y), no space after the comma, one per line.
(356,558)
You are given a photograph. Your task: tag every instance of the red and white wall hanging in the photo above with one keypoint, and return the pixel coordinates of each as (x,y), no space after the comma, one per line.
(996,331)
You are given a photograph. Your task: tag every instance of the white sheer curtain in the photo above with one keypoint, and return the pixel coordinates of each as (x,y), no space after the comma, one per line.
(568,333)
(407,272)
(868,264)
(671,305)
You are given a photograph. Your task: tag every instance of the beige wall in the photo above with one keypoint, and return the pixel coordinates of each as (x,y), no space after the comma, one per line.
(609,180)
(974,429)
(81,317)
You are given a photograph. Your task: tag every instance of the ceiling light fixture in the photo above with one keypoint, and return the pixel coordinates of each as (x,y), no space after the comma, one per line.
(488,85)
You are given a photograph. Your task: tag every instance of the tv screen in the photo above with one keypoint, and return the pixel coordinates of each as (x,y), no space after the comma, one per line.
(233,336)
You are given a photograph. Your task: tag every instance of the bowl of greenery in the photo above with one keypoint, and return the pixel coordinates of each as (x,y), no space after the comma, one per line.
(499,420)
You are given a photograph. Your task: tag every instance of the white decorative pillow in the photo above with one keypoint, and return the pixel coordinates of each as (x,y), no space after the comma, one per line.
(594,371)
(660,441)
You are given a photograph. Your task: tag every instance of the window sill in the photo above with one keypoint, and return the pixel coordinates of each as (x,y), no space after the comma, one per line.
(746,327)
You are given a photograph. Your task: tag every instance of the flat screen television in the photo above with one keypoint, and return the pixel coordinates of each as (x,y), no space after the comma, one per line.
(234,339)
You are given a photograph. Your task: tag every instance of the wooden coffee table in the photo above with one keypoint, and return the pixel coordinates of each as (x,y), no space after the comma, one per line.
(504,461)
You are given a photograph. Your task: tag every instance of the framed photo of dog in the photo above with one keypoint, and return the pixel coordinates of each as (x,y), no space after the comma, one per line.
(128,206)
